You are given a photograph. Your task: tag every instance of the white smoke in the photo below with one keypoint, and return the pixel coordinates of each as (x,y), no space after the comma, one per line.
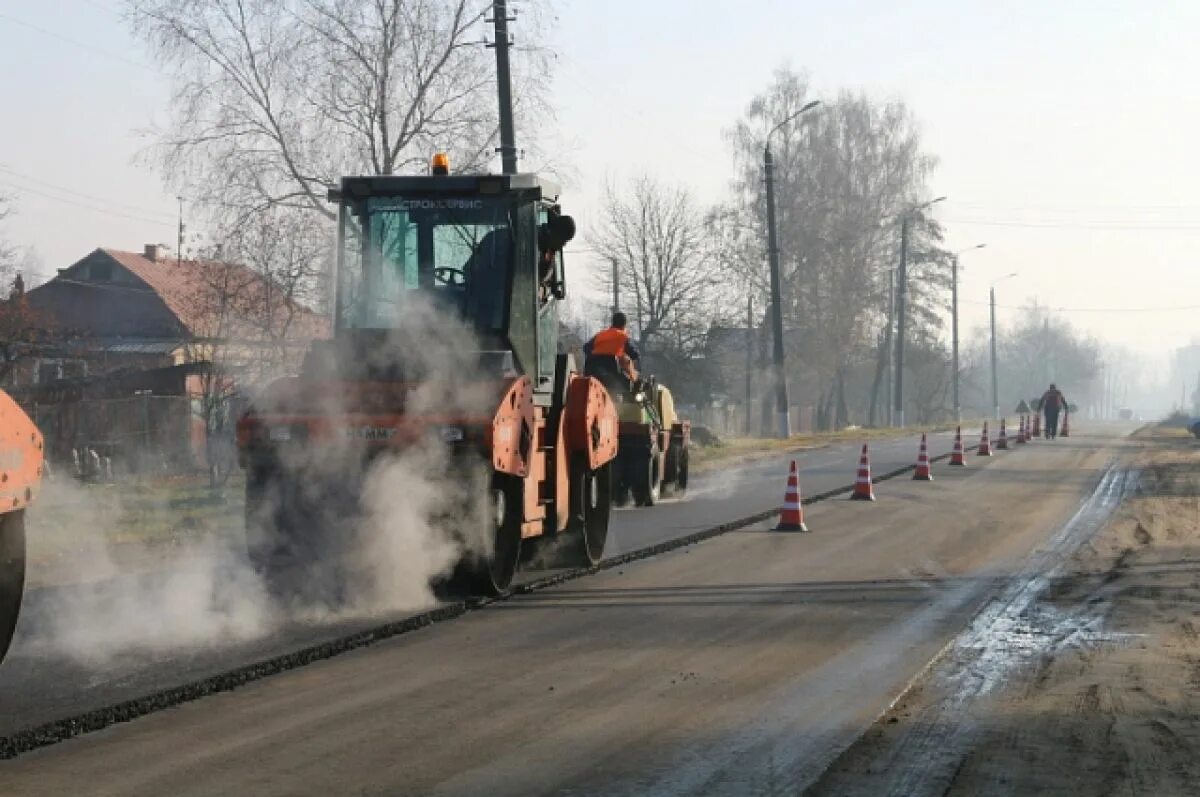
(126,596)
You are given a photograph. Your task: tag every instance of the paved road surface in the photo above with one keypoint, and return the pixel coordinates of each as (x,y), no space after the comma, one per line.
(726,667)
(38,685)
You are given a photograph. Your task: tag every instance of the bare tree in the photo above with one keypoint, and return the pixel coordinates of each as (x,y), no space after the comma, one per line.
(843,175)
(26,332)
(294,259)
(665,256)
(252,320)
(1038,347)
(275,99)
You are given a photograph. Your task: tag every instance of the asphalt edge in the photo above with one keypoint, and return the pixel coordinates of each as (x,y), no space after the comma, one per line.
(919,678)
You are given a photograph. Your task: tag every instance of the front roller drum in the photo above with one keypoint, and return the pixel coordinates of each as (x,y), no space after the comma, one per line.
(12,575)
(491,537)
(591,506)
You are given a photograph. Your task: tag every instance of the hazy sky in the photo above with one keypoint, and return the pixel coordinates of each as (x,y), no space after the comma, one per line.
(1066,131)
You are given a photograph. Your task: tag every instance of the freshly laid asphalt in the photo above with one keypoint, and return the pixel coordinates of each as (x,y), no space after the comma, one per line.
(38,686)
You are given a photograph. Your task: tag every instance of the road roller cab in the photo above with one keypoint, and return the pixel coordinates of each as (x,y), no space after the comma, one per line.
(446,331)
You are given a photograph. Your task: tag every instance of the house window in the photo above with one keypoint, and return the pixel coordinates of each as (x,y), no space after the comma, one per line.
(56,369)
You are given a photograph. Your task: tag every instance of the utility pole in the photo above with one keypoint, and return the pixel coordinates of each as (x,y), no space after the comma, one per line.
(749,364)
(901,292)
(995,387)
(179,241)
(901,304)
(784,428)
(954,335)
(954,325)
(891,352)
(616,287)
(995,384)
(508,145)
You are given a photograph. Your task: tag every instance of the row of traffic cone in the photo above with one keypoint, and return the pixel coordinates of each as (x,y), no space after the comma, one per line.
(792,516)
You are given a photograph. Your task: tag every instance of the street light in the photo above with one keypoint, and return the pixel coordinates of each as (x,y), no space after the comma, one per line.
(901,295)
(995,385)
(954,323)
(781,393)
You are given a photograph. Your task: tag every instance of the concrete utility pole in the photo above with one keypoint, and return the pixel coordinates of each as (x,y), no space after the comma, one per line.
(784,429)
(995,386)
(749,365)
(954,336)
(891,353)
(954,325)
(508,144)
(179,241)
(616,287)
(901,302)
(995,383)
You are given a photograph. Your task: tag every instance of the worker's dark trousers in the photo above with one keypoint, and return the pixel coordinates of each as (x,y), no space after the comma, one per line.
(1051,423)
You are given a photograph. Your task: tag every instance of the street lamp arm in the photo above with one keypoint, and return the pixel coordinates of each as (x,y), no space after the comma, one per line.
(1002,279)
(807,107)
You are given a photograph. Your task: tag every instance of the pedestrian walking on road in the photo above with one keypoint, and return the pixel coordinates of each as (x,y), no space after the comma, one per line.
(1053,402)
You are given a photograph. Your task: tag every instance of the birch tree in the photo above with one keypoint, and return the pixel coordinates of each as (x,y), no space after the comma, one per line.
(274,100)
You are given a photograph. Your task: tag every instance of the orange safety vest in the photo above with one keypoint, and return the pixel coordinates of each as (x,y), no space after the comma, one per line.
(610,342)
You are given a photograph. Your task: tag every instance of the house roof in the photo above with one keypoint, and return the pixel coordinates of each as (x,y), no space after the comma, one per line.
(187,288)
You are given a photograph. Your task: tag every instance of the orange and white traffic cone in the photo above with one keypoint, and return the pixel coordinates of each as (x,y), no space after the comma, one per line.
(1021,433)
(1037,426)
(985,443)
(791,518)
(956,456)
(1066,429)
(1002,440)
(863,489)
(922,473)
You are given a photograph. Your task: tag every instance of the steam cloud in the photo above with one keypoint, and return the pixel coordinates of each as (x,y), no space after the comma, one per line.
(395,542)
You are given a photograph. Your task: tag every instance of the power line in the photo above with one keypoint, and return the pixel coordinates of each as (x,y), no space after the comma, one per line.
(1172,309)
(63,189)
(75,42)
(1083,225)
(86,206)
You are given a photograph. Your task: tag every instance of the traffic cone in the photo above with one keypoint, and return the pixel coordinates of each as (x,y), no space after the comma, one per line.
(1037,426)
(922,473)
(985,444)
(1022,432)
(792,516)
(956,456)
(1066,427)
(1002,440)
(863,489)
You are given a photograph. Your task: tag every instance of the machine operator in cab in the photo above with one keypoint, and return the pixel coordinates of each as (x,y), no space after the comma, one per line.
(615,342)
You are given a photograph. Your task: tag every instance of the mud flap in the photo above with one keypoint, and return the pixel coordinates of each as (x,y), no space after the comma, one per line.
(12,575)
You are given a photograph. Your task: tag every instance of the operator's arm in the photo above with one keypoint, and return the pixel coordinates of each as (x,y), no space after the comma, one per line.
(631,350)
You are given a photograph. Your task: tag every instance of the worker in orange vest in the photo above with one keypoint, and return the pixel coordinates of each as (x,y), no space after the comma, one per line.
(615,342)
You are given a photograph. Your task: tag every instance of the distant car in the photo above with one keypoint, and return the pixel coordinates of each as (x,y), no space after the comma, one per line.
(1125,414)
(1194,427)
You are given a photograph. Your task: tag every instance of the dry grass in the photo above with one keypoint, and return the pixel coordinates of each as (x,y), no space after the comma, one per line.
(743,449)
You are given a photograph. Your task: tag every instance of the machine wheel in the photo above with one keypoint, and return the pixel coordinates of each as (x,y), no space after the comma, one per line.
(12,575)
(681,473)
(491,574)
(287,541)
(643,477)
(591,502)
